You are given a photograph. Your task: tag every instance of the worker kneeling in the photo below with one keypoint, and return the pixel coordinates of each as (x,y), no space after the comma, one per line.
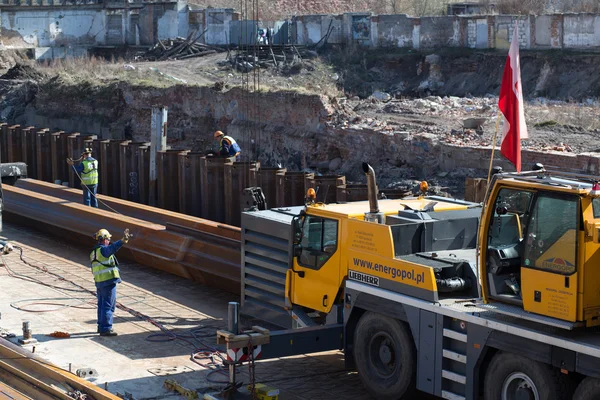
(105,268)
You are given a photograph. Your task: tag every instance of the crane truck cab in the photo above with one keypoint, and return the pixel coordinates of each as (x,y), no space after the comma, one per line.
(457,299)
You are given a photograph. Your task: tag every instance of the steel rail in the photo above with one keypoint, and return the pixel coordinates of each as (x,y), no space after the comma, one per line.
(32,377)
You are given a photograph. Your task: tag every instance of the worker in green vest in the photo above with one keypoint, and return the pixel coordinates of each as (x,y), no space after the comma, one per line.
(87,170)
(105,268)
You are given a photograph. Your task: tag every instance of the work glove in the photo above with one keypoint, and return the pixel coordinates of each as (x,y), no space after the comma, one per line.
(126,236)
(69,161)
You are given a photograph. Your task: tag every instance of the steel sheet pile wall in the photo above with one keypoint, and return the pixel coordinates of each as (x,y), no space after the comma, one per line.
(213,191)
(110,167)
(167,168)
(326,187)
(238,176)
(14,144)
(267,180)
(29,150)
(347,193)
(187,182)
(292,187)
(59,152)
(190,183)
(44,155)
(135,170)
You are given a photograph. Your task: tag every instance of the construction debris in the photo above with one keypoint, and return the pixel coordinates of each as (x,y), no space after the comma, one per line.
(179,49)
(263,56)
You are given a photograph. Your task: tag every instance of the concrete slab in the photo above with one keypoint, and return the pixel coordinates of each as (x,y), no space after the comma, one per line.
(130,361)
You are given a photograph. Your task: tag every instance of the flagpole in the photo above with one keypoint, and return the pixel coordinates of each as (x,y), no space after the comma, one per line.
(493,147)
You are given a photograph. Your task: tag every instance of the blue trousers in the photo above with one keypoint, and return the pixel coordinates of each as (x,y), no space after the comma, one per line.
(107,300)
(88,199)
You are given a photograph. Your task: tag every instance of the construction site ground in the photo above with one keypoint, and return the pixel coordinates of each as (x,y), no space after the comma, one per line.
(130,363)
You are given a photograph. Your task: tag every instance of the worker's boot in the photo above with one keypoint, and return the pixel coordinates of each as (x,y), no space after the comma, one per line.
(108,333)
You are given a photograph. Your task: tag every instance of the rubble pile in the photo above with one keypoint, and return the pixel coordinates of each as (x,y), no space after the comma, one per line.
(248,58)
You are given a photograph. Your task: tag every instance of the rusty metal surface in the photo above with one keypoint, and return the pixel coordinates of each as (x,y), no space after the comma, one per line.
(237,177)
(213,190)
(167,163)
(44,156)
(29,150)
(189,247)
(326,187)
(358,192)
(3,141)
(110,166)
(132,163)
(31,377)
(292,187)
(267,180)
(13,143)
(59,153)
(190,183)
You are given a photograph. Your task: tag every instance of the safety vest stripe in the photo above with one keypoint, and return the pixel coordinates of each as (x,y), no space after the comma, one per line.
(102,271)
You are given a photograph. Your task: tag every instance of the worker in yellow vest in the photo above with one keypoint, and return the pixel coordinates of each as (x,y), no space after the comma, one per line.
(87,170)
(228,147)
(105,268)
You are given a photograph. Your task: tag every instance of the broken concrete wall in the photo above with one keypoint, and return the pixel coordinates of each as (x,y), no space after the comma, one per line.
(476,31)
(504,26)
(53,28)
(438,32)
(196,21)
(581,31)
(392,31)
(356,28)
(182,18)
(158,21)
(309,28)
(218,23)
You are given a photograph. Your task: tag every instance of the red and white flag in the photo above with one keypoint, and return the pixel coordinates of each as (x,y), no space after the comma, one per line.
(511,105)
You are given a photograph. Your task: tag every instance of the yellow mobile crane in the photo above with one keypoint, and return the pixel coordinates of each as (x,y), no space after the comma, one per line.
(461,300)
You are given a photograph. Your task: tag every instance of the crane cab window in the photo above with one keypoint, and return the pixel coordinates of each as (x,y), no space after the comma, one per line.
(552,234)
(511,215)
(319,241)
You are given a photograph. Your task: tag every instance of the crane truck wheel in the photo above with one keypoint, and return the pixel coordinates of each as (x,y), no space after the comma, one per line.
(588,389)
(385,356)
(512,377)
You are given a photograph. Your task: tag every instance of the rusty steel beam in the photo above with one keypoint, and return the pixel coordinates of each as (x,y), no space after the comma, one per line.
(134,210)
(35,378)
(207,255)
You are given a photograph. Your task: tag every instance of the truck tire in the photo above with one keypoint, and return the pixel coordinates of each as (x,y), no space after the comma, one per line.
(588,389)
(385,356)
(510,377)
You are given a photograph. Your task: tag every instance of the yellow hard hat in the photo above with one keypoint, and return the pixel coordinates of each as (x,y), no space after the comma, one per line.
(218,133)
(102,234)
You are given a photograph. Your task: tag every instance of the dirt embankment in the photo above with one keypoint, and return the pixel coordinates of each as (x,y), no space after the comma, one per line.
(328,114)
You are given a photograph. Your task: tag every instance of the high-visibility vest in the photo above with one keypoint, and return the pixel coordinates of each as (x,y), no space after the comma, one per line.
(103,268)
(234,149)
(89,176)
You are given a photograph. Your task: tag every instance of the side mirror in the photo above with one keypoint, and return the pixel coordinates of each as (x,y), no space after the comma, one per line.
(297,250)
(297,224)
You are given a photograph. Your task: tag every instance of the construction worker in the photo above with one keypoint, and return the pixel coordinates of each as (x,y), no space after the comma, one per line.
(105,268)
(87,170)
(228,147)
